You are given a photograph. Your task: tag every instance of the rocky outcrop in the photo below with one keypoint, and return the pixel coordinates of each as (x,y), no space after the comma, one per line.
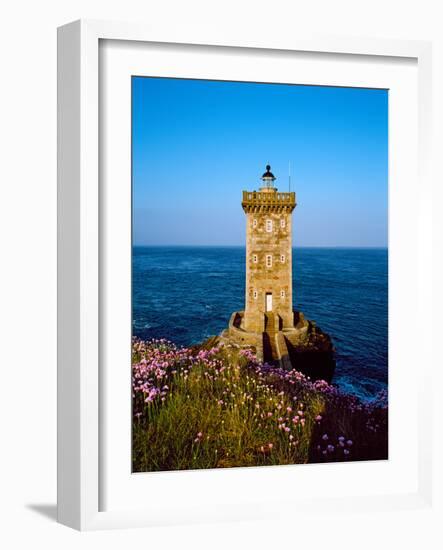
(313,353)
(304,347)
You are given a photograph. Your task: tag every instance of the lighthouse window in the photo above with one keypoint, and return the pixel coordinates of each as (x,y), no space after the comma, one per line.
(255,294)
(254,258)
(254,223)
(282,293)
(269,226)
(268,260)
(282,223)
(282,258)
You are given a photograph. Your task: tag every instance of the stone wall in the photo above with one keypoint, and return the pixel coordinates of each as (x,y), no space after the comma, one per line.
(268,263)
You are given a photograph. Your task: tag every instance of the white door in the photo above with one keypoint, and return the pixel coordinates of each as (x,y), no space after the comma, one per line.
(268,301)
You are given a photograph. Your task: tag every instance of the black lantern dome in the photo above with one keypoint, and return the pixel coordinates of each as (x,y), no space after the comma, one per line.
(268,177)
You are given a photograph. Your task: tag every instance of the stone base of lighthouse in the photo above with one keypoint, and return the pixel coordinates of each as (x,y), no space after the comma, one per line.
(303,346)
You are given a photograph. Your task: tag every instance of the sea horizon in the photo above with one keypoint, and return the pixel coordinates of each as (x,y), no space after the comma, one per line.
(346,247)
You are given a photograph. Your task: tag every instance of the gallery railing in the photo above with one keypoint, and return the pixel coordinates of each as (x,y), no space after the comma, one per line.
(256,197)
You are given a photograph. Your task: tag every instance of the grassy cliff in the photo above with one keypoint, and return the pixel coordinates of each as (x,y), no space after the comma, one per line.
(219,407)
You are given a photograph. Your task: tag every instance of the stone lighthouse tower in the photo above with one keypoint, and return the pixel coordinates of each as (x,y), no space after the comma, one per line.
(268,303)
(268,324)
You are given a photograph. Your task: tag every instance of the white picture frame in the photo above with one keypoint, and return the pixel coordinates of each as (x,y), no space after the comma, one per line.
(79,271)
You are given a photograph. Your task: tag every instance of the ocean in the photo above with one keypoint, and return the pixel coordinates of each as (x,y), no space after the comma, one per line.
(186,294)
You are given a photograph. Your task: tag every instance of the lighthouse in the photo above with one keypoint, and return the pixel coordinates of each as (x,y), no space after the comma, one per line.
(269,324)
(268,298)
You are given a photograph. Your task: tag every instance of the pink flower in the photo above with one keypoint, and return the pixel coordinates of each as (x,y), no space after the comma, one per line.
(325,437)
(349,442)
(270,445)
(318,418)
(345,451)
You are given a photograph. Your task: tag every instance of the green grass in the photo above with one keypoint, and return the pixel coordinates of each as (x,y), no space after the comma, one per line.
(222,409)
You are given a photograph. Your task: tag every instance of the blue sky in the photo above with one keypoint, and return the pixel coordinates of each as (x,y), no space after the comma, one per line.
(197,144)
